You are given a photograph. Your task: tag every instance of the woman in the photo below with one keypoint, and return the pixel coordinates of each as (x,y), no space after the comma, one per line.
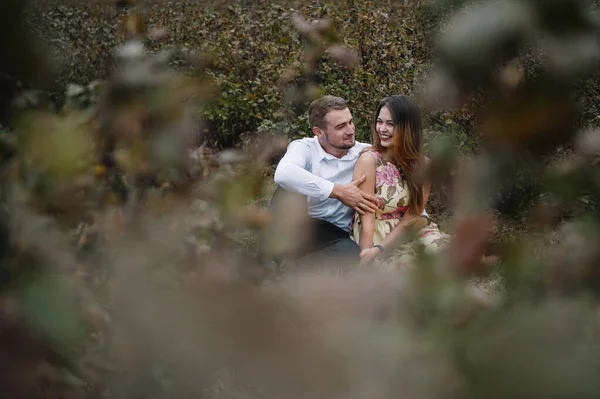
(393,167)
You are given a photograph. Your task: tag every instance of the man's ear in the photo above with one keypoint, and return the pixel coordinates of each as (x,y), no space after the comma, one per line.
(317,131)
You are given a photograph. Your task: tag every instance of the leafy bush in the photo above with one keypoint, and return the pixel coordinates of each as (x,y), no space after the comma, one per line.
(240,48)
(246,45)
(145,295)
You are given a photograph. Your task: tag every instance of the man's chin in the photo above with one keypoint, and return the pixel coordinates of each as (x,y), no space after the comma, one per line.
(347,146)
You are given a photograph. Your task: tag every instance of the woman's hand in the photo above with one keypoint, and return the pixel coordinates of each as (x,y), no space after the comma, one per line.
(368,255)
(416,222)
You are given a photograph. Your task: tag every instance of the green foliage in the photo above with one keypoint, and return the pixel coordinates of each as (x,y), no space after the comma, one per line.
(111,194)
(447,135)
(81,37)
(245,47)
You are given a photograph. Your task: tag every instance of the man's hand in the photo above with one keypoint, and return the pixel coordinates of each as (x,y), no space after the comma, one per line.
(353,197)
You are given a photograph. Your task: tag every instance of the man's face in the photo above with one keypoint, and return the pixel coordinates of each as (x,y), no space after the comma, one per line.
(339,130)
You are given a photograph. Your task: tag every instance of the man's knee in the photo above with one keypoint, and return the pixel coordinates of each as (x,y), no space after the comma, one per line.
(283,198)
(345,246)
(288,232)
(338,254)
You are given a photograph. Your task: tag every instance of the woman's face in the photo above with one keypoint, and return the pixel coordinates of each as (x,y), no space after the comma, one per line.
(385,127)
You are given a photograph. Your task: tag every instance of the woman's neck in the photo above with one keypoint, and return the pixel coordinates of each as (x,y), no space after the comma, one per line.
(387,156)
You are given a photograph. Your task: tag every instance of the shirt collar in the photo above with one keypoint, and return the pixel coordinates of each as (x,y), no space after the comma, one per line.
(352,152)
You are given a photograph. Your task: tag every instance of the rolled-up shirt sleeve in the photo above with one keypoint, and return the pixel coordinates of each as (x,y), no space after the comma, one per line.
(292,173)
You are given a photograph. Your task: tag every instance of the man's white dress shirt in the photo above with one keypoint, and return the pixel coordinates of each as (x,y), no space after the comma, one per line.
(307,169)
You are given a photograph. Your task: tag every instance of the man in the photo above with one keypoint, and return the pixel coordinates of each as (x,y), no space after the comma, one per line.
(320,169)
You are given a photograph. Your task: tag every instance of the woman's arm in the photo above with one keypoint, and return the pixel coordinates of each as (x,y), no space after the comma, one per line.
(410,221)
(366,166)
(426,186)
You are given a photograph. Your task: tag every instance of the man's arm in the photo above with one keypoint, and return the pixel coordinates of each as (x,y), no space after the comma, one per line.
(292,175)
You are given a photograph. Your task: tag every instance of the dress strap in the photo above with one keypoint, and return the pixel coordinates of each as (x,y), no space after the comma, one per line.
(377,156)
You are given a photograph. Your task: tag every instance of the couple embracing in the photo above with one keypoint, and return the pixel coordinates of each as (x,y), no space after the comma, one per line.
(360,197)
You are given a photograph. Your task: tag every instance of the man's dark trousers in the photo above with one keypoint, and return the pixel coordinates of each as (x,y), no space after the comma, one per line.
(324,241)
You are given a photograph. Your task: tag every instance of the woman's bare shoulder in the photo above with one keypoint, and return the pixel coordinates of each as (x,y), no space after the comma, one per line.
(367,158)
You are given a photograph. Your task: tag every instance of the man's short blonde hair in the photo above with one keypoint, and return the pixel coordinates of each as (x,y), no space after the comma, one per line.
(321,106)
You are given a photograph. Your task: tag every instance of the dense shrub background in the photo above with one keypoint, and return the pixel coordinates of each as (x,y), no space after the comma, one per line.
(247,44)
(120,256)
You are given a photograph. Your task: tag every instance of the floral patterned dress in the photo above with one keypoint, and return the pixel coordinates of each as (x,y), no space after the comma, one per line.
(392,195)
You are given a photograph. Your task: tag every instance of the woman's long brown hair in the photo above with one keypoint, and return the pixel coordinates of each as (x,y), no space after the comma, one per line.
(407,150)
